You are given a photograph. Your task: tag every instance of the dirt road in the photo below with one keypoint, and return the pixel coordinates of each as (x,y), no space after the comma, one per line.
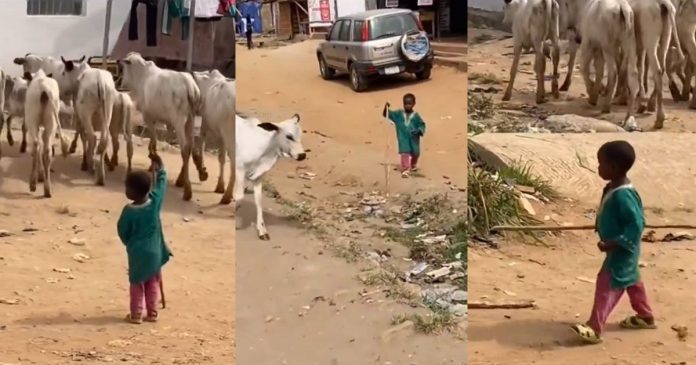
(560,277)
(58,310)
(297,302)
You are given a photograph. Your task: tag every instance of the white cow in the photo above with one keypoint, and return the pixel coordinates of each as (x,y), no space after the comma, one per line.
(533,22)
(94,104)
(608,34)
(256,151)
(168,96)
(218,114)
(15,109)
(655,26)
(121,124)
(41,117)
(570,13)
(686,27)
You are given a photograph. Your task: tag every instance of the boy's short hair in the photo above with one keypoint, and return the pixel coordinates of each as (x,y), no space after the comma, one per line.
(139,182)
(619,153)
(410,96)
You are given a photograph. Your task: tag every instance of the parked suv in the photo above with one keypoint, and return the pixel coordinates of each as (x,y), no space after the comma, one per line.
(375,43)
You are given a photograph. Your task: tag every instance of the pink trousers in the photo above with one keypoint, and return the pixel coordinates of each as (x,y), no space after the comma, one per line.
(606,298)
(146,291)
(408,161)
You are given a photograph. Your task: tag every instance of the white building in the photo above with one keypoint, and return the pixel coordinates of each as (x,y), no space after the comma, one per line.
(69,28)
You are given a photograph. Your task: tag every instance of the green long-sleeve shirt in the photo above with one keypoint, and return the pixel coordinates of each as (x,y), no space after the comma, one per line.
(409,130)
(140,230)
(620,220)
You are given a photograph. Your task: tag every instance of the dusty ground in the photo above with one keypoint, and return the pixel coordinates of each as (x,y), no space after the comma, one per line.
(62,318)
(556,276)
(280,323)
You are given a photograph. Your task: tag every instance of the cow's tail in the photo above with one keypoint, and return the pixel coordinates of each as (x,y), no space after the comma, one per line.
(669,25)
(101,96)
(47,102)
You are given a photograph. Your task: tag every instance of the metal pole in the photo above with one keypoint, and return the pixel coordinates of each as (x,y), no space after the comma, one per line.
(107,28)
(192,19)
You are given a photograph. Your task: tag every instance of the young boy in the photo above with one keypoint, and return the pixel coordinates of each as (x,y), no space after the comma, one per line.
(410,127)
(140,230)
(620,224)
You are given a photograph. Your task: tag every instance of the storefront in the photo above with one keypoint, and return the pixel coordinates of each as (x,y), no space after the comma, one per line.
(440,18)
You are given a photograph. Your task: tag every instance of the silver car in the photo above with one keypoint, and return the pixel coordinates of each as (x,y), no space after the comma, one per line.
(371,44)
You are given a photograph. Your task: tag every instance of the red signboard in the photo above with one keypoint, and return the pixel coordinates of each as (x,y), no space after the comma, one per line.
(325,10)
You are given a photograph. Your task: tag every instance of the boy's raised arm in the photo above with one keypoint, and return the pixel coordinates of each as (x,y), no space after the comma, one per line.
(159,188)
(389,114)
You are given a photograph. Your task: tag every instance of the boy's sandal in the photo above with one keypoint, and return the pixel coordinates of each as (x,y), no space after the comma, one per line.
(134,320)
(586,333)
(151,317)
(636,323)
(414,169)
(405,174)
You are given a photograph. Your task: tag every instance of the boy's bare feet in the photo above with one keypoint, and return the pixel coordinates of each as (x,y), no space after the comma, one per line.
(134,319)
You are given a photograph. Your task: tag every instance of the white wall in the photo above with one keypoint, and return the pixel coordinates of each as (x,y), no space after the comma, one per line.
(348,7)
(69,36)
(491,5)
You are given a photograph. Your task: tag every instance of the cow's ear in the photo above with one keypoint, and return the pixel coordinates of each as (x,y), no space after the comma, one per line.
(20,60)
(27,76)
(82,59)
(268,126)
(296,117)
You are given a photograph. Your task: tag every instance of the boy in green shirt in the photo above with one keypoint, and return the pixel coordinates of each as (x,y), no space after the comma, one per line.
(410,127)
(620,224)
(140,230)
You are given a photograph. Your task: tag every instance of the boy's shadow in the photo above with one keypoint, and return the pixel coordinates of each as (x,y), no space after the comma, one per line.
(540,334)
(64,319)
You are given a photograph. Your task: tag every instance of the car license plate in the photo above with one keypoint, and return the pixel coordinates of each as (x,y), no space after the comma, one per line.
(392,70)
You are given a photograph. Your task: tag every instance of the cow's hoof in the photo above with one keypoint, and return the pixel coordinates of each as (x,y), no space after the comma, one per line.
(73,149)
(32,187)
(220,188)
(203,175)
(225,201)
(265,237)
(23,148)
(41,179)
(47,194)
(83,167)
(10,141)
(188,195)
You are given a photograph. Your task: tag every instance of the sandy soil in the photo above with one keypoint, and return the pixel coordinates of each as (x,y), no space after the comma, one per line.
(65,317)
(556,276)
(279,321)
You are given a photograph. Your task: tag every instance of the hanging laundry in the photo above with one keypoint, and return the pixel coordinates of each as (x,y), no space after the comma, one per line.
(176,9)
(150,21)
(227,8)
(207,9)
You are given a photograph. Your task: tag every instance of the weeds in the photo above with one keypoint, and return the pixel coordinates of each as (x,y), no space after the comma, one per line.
(484,78)
(520,173)
(440,320)
(480,106)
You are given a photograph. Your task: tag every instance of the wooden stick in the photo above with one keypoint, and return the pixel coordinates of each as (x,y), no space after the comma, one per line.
(387,152)
(583,227)
(164,301)
(502,305)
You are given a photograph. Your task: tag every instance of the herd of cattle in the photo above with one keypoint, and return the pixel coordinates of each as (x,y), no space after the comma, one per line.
(54,92)
(629,39)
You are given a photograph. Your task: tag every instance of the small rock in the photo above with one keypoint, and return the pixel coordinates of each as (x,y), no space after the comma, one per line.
(459,310)
(75,241)
(80,257)
(269,319)
(5,233)
(9,301)
(62,270)
(51,280)
(526,205)
(389,334)
(459,296)
(187,219)
(119,343)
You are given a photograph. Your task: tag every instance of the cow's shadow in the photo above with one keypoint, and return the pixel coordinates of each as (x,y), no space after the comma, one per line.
(245,216)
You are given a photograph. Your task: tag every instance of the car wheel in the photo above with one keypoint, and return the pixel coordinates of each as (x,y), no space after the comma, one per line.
(357,81)
(424,74)
(327,73)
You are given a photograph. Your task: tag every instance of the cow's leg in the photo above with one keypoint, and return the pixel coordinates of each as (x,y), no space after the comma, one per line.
(33,176)
(657,73)
(513,71)
(128,136)
(47,160)
(101,153)
(572,52)
(220,187)
(10,138)
(555,55)
(239,180)
(260,224)
(608,94)
(152,127)
(23,145)
(185,135)
(115,144)
(73,144)
(227,197)
(2,123)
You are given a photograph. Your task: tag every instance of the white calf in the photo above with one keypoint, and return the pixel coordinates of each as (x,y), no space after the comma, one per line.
(608,34)
(534,21)
(96,96)
(41,116)
(256,151)
(168,96)
(218,114)
(121,124)
(15,109)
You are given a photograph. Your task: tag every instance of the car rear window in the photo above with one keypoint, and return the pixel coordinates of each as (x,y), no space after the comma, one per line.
(392,25)
(357,30)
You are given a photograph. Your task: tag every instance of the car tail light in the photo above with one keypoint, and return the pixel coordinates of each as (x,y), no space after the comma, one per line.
(366,31)
(418,23)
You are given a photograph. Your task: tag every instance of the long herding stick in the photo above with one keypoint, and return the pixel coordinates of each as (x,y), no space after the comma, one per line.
(164,301)
(581,228)
(387,153)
